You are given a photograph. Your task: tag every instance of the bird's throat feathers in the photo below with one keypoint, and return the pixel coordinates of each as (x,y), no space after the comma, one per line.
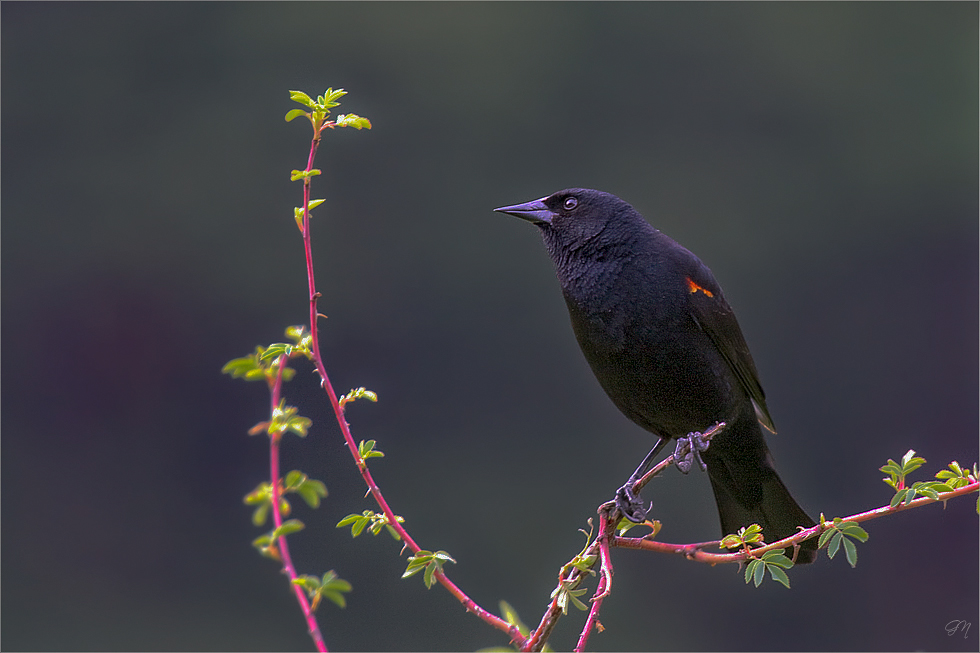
(591,263)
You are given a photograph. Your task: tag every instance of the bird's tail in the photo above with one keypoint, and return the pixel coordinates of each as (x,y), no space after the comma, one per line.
(748,490)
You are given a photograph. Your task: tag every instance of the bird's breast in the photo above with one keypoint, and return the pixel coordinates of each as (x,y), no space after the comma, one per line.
(651,357)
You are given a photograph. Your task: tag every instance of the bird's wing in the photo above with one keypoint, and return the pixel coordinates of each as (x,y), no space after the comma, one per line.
(716,318)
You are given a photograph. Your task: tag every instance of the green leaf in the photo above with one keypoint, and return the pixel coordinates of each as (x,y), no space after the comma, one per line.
(951,481)
(899,497)
(778,559)
(239,367)
(294,479)
(573,594)
(260,514)
(302,98)
(417,563)
(312,491)
(509,615)
(754,572)
(839,533)
(266,547)
(779,575)
(329,98)
(430,562)
(357,522)
(429,577)
(358,393)
(309,583)
(296,175)
(315,203)
(773,561)
(330,580)
(826,535)
(296,332)
(911,462)
(349,519)
(288,527)
(284,418)
(295,113)
(442,556)
(730,542)
(336,597)
(275,350)
(299,425)
(926,491)
(359,526)
(834,544)
(624,526)
(367,450)
(891,467)
(853,530)
(332,588)
(262,492)
(585,563)
(360,522)
(351,120)
(411,570)
(329,587)
(751,534)
(850,551)
(566,594)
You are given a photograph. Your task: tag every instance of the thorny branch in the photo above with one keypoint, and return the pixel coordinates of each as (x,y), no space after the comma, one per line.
(338,409)
(609,518)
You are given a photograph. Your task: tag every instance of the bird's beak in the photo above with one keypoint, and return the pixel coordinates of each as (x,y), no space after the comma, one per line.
(536,211)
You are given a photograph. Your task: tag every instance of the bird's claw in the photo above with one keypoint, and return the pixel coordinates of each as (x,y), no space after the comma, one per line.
(630,505)
(688,450)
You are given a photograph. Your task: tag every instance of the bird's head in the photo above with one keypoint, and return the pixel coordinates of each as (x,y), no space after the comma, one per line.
(571,218)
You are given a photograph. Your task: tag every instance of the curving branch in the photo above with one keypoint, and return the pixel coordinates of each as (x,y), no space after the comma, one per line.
(696,553)
(338,409)
(280,543)
(597,552)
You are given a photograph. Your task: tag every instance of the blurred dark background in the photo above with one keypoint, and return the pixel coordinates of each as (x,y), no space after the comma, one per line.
(820,158)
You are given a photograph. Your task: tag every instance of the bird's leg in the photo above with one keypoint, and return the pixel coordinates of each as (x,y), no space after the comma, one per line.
(627,501)
(688,450)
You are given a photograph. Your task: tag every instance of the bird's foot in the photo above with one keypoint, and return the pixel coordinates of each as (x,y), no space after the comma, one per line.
(688,450)
(630,504)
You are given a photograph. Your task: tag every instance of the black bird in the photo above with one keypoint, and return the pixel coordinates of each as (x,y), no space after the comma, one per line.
(664,344)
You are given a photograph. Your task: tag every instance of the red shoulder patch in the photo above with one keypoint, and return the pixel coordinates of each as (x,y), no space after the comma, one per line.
(694,287)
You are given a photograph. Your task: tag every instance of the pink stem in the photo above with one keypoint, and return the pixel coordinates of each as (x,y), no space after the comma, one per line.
(605,583)
(287,562)
(468,603)
(540,636)
(694,552)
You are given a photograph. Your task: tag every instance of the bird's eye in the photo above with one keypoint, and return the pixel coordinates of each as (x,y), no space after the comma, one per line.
(570,203)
